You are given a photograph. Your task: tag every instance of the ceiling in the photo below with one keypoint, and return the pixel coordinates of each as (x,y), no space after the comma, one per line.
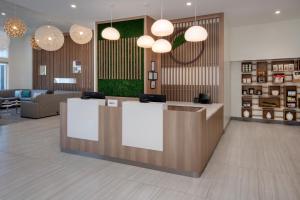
(59,13)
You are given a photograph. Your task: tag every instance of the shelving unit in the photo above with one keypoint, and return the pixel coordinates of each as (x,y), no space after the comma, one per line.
(267,98)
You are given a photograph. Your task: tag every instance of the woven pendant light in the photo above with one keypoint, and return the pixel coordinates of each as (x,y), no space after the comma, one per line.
(81,34)
(14,27)
(49,38)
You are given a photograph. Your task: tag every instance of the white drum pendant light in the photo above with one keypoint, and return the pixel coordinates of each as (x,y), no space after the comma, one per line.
(196,33)
(145,41)
(110,33)
(161,46)
(162,27)
(81,34)
(49,38)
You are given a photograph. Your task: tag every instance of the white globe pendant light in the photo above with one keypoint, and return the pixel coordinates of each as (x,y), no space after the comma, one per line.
(162,28)
(49,38)
(161,46)
(110,33)
(145,41)
(81,34)
(196,34)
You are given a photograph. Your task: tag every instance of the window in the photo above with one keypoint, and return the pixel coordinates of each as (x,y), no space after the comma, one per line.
(3,76)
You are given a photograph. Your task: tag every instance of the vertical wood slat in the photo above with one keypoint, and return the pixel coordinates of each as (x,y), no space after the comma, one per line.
(184,82)
(59,65)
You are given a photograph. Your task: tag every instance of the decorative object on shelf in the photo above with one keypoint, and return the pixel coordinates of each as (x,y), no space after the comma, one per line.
(43,70)
(278,78)
(268,113)
(251,91)
(296,76)
(258,92)
(110,33)
(161,46)
(76,68)
(81,34)
(245,92)
(246,78)
(280,68)
(275,68)
(269,102)
(195,33)
(286,67)
(262,72)
(246,113)
(34,45)
(290,115)
(49,38)
(145,41)
(246,67)
(275,92)
(291,96)
(291,67)
(247,102)
(15,27)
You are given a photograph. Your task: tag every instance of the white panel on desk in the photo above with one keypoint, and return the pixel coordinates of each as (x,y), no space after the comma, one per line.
(83,118)
(142,125)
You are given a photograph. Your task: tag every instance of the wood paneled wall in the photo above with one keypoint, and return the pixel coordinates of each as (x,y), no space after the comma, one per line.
(182,81)
(59,65)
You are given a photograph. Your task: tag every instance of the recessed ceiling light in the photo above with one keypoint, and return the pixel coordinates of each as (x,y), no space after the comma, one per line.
(3,13)
(73,6)
(188,3)
(277,12)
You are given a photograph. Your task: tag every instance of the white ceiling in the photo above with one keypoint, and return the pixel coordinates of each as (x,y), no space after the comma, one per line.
(58,12)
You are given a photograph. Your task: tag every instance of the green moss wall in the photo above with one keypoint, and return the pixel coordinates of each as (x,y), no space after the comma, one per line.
(120,87)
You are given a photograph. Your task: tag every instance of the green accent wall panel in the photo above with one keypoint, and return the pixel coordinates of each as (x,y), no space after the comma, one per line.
(121,63)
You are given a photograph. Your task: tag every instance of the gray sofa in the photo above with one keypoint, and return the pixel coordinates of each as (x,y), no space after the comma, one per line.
(42,105)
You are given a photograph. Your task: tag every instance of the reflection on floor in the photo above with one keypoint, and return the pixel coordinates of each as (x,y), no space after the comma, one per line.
(252,161)
(10,116)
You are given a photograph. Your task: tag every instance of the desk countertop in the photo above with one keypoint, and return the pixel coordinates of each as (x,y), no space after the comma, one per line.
(210,108)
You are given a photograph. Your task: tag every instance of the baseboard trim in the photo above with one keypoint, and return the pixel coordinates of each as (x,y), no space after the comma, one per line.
(133,163)
(293,123)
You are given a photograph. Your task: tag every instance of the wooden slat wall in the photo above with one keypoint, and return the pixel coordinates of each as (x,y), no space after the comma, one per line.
(59,65)
(120,59)
(183,82)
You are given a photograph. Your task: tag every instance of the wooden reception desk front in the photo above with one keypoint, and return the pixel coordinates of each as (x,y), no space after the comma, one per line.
(174,137)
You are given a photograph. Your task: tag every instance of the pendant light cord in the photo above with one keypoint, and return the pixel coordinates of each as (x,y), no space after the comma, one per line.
(196,4)
(111,15)
(161,9)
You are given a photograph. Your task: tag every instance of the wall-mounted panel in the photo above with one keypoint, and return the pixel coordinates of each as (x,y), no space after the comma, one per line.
(121,62)
(59,64)
(193,68)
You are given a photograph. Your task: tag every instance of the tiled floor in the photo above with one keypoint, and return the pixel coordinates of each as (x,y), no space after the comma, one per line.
(252,161)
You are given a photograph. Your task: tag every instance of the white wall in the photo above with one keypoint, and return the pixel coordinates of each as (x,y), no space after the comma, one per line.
(263,41)
(20,63)
(227,75)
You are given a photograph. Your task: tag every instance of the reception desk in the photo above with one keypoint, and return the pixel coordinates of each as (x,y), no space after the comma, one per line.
(174,136)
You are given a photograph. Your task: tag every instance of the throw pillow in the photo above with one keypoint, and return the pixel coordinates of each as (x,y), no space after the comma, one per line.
(18,93)
(26,94)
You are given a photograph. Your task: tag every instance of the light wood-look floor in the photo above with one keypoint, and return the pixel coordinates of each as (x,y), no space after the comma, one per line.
(252,161)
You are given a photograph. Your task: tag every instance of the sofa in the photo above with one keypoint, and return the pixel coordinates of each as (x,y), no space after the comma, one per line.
(40,104)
